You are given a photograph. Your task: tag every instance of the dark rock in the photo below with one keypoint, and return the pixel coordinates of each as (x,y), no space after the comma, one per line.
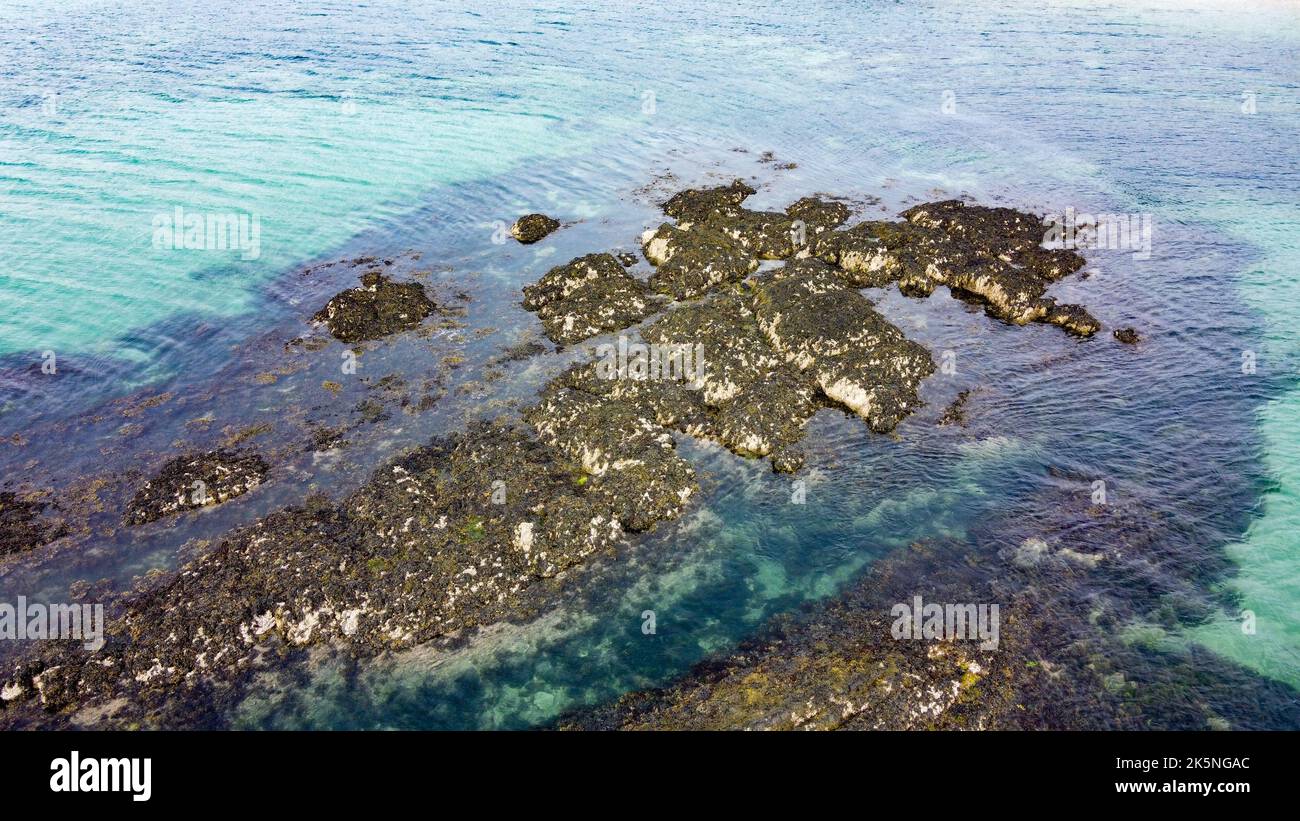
(955,413)
(533,227)
(832,333)
(587,296)
(1128,336)
(1073,318)
(701,204)
(22,526)
(691,263)
(378,308)
(196,480)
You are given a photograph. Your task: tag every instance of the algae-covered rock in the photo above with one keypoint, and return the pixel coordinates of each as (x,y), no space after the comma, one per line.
(701,204)
(991,256)
(758,403)
(378,308)
(587,296)
(831,332)
(878,252)
(1073,318)
(1005,265)
(196,480)
(628,455)
(814,218)
(452,535)
(765,234)
(533,227)
(693,262)
(22,525)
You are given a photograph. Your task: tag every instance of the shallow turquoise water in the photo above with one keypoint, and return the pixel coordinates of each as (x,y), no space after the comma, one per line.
(394,125)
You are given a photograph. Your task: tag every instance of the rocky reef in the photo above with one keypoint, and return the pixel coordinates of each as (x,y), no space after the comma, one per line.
(532,228)
(22,525)
(378,308)
(475,528)
(196,480)
(588,296)
(989,256)
(1068,651)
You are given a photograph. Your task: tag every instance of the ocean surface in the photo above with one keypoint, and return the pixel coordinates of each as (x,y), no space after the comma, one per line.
(394,128)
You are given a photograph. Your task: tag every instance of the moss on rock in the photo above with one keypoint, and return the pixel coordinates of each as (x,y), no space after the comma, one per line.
(531,228)
(196,480)
(378,308)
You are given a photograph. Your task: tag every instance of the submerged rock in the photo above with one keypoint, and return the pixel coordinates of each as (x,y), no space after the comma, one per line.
(955,413)
(22,526)
(533,227)
(842,665)
(196,480)
(1128,336)
(587,296)
(378,308)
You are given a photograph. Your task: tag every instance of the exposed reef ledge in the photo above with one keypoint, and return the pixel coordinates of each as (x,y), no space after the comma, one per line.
(989,256)
(378,308)
(464,530)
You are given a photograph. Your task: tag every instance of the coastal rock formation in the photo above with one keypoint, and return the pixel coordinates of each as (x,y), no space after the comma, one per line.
(533,227)
(831,332)
(481,526)
(196,480)
(703,204)
(692,263)
(22,525)
(587,296)
(989,256)
(378,308)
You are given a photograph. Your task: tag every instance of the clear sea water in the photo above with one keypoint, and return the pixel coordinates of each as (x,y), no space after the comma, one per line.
(376,128)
